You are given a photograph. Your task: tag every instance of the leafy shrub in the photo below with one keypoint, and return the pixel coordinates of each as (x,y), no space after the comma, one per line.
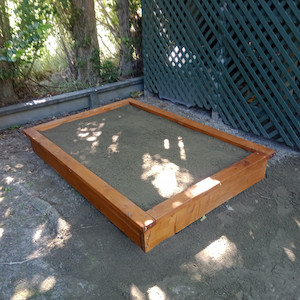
(109,71)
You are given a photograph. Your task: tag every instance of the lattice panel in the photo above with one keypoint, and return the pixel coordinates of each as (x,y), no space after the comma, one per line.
(174,67)
(240,58)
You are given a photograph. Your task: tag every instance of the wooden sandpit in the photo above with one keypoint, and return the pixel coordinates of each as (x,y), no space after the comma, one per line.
(151,172)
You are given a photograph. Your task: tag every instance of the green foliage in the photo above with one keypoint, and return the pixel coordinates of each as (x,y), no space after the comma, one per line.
(108,71)
(95,59)
(29,32)
(14,127)
(48,64)
(108,17)
(76,13)
(6,72)
(136,94)
(38,70)
(30,184)
(112,6)
(62,12)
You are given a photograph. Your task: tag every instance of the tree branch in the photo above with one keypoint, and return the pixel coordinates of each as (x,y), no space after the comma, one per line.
(114,31)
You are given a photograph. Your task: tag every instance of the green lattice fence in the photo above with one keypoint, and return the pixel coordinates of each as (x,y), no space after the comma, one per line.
(237,57)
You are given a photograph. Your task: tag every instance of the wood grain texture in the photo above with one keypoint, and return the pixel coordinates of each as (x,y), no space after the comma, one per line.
(121,211)
(147,229)
(183,209)
(82,115)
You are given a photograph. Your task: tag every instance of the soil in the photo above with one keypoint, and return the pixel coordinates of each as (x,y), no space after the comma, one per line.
(145,157)
(55,245)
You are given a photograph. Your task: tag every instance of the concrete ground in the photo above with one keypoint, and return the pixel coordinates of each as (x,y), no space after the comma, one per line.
(55,245)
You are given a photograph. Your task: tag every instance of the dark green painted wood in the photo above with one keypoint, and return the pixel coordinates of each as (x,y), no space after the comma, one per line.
(239,58)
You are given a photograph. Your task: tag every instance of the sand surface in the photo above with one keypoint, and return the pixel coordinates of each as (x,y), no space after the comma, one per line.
(145,157)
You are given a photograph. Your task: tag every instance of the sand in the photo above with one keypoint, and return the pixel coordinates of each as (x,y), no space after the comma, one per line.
(145,157)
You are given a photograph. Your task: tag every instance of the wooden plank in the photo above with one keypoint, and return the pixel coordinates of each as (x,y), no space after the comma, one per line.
(183,209)
(226,137)
(128,217)
(206,185)
(82,115)
(147,229)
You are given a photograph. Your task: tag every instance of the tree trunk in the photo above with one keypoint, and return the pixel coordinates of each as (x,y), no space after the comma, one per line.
(124,31)
(84,33)
(7,93)
(68,52)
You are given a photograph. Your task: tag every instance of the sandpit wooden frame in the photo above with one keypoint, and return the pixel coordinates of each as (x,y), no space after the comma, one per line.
(149,228)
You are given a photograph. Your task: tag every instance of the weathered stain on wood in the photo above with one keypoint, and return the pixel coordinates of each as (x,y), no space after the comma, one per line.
(147,229)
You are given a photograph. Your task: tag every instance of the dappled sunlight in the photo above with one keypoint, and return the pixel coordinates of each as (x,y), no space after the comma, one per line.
(136,293)
(39,284)
(19,166)
(35,102)
(251,234)
(168,178)
(63,234)
(116,137)
(91,138)
(156,293)
(153,293)
(47,284)
(201,187)
(290,254)
(39,101)
(166,144)
(181,148)
(176,204)
(7,212)
(220,254)
(83,134)
(113,148)
(22,294)
(8,179)
(90,132)
(94,146)
(148,222)
(1,232)
(30,231)
(38,233)
(1,197)
(297,221)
